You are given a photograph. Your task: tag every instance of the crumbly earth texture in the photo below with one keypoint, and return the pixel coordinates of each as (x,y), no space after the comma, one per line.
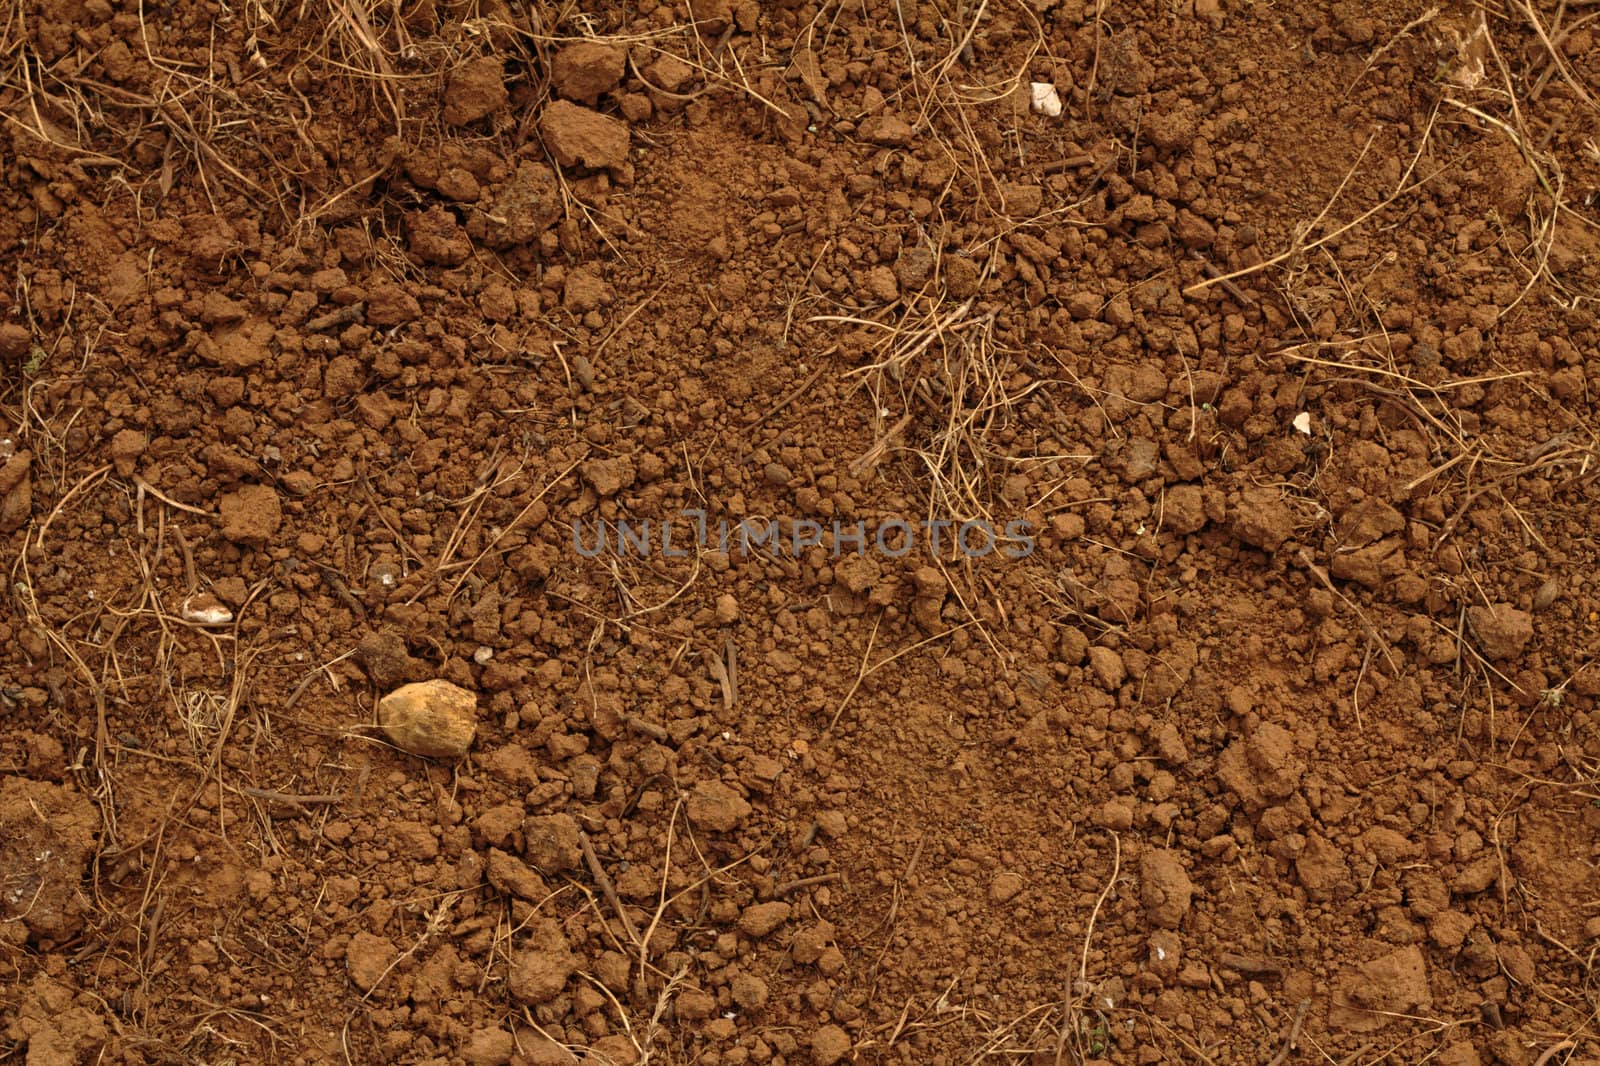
(1268,735)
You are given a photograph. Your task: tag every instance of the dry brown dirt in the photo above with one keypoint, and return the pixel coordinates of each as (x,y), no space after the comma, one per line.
(327,321)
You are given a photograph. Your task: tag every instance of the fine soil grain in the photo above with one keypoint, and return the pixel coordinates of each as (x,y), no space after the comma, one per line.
(350,348)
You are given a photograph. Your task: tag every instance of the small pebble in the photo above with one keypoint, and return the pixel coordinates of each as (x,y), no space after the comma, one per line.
(1548,593)
(204,609)
(434,719)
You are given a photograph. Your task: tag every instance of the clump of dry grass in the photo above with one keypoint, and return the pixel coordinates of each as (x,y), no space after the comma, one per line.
(938,373)
(122,645)
(940,366)
(944,106)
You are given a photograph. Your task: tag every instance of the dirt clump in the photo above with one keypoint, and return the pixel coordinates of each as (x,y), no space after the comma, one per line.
(553,843)
(1263,519)
(762,919)
(48,832)
(1368,996)
(251,514)
(1165,887)
(717,807)
(538,976)
(518,211)
(15,340)
(829,1045)
(582,72)
(475,90)
(1262,767)
(578,136)
(389,662)
(55,1030)
(368,959)
(16,491)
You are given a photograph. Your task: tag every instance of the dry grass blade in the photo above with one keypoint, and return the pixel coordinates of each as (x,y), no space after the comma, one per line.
(867,670)
(962,395)
(1302,242)
(1069,1007)
(1408,392)
(1405,31)
(353,18)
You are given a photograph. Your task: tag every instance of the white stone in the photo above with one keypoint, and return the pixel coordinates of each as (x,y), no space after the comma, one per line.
(204,609)
(1046,101)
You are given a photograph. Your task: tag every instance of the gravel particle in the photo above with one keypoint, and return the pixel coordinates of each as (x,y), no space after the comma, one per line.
(434,718)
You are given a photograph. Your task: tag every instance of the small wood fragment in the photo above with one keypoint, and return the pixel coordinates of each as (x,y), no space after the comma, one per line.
(1251,965)
(344,316)
(607,889)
